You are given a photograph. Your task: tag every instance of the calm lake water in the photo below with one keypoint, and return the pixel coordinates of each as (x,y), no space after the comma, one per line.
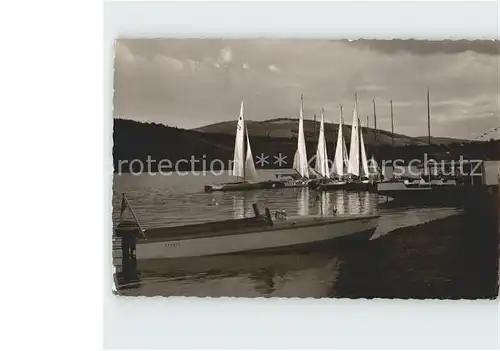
(175,200)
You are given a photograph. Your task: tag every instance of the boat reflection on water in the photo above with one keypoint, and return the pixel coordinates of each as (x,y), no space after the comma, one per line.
(242,204)
(341,201)
(312,273)
(364,203)
(360,203)
(324,204)
(249,275)
(303,202)
(329,203)
(295,201)
(314,277)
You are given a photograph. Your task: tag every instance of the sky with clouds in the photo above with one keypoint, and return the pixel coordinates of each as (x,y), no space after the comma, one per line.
(193,82)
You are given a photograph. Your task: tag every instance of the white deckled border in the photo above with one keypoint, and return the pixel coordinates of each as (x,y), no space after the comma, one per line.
(292,323)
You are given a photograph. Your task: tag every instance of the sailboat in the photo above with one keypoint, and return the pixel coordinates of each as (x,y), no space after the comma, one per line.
(374,169)
(300,162)
(335,175)
(340,161)
(243,164)
(357,164)
(321,165)
(433,192)
(364,161)
(357,169)
(377,173)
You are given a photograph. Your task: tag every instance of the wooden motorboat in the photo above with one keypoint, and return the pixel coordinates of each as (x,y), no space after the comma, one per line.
(258,233)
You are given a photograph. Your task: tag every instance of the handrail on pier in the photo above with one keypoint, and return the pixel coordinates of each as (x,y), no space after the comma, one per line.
(124,205)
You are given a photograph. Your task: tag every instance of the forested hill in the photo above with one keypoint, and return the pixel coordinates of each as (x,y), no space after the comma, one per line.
(288,128)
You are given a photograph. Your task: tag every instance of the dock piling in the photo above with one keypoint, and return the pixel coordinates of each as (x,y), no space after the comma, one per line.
(124,247)
(256,210)
(126,267)
(269,218)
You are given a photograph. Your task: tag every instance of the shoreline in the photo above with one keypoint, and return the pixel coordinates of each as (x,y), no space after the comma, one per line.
(441,259)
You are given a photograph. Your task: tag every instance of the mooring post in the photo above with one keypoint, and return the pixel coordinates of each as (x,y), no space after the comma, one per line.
(268,216)
(127,232)
(128,274)
(256,210)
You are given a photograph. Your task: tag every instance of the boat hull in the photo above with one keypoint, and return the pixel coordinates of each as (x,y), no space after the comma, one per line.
(272,184)
(296,184)
(422,196)
(352,186)
(277,237)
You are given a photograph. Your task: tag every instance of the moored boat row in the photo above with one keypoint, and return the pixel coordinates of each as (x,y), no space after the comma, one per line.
(348,172)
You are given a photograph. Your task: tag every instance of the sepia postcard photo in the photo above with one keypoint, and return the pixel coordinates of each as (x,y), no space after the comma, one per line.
(306,168)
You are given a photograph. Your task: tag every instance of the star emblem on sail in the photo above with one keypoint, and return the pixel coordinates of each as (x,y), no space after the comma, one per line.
(300,162)
(243,164)
(357,152)
(321,166)
(341,159)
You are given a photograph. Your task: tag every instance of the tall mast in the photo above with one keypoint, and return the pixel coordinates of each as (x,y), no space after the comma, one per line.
(359,124)
(356,106)
(392,125)
(314,130)
(360,130)
(428,118)
(375,123)
(245,136)
(342,126)
(428,128)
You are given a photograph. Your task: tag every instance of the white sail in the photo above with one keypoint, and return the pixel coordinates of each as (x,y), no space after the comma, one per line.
(238,159)
(321,165)
(302,164)
(364,160)
(296,160)
(303,202)
(346,156)
(250,172)
(340,152)
(353,166)
(373,167)
(327,165)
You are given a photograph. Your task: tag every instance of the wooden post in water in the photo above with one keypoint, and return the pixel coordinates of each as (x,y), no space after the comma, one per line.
(268,216)
(256,210)
(127,274)
(127,233)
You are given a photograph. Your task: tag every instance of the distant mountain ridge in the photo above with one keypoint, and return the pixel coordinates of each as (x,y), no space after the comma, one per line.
(288,128)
